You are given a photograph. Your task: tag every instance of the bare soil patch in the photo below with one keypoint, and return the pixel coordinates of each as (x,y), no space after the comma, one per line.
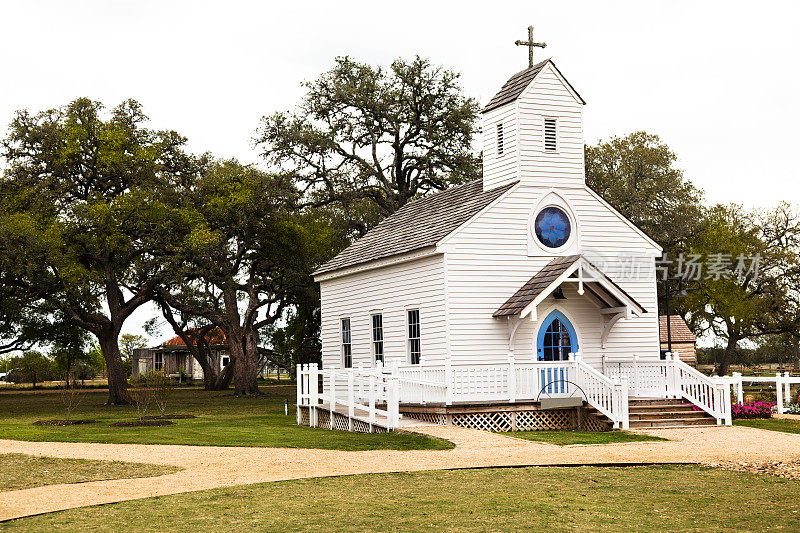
(63,422)
(141,423)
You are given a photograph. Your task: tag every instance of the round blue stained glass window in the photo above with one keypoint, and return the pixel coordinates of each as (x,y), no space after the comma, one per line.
(552,227)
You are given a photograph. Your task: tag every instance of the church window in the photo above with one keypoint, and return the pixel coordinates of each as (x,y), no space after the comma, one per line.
(414,343)
(552,227)
(550,137)
(377,337)
(347,344)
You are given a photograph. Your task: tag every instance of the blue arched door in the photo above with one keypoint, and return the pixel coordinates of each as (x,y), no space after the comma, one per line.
(557,338)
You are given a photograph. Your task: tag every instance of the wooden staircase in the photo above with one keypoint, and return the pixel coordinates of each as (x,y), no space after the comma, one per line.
(666,414)
(663,414)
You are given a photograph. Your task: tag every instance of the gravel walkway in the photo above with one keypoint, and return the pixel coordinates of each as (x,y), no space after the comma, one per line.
(207,467)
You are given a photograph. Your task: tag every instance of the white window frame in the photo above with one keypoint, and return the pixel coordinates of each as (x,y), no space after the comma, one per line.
(346,343)
(374,342)
(410,339)
(158,365)
(544,135)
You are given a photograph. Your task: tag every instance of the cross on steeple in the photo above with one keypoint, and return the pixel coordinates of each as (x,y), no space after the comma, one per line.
(531,45)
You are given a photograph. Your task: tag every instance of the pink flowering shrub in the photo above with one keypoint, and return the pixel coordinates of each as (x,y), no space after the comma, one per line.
(752,410)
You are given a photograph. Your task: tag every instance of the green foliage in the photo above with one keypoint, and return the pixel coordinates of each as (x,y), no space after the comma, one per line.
(84,229)
(369,140)
(636,174)
(31,367)
(755,303)
(129,342)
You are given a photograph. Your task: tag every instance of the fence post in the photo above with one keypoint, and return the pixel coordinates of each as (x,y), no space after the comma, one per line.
(448,381)
(371,403)
(351,400)
(726,404)
(787,384)
(512,379)
(313,391)
(779,390)
(332,394)
(361,383)
(636,391)
(299,390)
(738,387)
(670,375)
(392,404)
(623,398)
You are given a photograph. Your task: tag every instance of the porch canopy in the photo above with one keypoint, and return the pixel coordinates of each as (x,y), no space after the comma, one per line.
(610,299)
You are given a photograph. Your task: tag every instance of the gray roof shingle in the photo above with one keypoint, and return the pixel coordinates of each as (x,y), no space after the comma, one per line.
(535,286)
(517,83)
(417,225)
(542,280)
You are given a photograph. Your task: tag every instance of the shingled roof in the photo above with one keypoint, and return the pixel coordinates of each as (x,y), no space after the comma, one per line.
(535,286)
(543,279)
(517,83)
(678,329)
(417,225)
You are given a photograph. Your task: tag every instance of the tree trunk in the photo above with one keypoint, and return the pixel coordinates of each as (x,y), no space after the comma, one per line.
(245,370)
(727,355)
(109,346)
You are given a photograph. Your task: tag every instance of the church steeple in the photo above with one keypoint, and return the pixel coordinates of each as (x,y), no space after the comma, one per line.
(533,129)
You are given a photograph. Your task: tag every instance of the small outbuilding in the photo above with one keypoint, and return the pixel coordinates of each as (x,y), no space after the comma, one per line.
(684,343)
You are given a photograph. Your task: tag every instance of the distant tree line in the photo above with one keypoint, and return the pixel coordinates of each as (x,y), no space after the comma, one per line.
(100,215)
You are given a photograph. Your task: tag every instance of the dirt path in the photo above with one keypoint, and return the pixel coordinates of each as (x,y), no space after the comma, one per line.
(208,467)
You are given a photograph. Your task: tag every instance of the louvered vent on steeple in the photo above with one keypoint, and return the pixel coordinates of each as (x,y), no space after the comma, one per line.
(550,135)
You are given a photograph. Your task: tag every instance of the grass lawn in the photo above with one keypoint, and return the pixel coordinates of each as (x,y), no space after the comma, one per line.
(18,471)
(773,424)
(581,437)
(223,420)
(668,498)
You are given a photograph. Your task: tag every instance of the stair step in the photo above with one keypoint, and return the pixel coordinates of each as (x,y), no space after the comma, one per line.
(644,403)
(673,422)
(667,414)
(677,407)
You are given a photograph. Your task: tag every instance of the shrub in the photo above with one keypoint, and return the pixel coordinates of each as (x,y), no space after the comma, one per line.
(752,410)
(161,385)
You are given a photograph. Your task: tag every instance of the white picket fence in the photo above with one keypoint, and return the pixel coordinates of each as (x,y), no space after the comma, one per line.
(783,384)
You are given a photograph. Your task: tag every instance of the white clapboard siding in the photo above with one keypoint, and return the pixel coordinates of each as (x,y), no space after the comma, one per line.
(487,261)
(500,169)
(389,290)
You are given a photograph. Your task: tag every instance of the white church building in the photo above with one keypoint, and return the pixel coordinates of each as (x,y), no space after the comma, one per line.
(519,301)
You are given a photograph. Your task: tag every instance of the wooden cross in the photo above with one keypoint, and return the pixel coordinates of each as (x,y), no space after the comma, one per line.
(531,45)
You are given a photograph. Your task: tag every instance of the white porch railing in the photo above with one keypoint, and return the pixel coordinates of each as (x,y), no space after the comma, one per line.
(350,392)
(712,395)
(359,390)
(672,378)
(782,383)
(374,394)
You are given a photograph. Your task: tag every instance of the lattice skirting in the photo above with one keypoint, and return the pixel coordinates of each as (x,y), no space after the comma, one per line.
(340,422)
(433,418)
(556,419)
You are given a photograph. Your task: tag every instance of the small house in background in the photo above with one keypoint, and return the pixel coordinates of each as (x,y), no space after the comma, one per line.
(684,343)
(173,356)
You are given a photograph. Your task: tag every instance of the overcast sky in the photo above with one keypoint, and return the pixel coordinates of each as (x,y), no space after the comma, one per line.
(716,80)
